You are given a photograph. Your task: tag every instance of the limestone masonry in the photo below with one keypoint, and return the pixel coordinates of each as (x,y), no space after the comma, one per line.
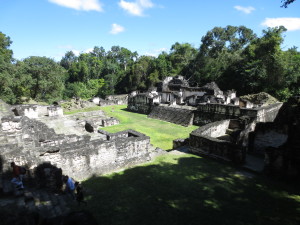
(30,142)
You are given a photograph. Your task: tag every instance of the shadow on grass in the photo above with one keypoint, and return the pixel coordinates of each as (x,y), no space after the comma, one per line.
(192,191)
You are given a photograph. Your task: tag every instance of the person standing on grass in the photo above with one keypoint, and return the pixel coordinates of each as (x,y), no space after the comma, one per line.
(17,179)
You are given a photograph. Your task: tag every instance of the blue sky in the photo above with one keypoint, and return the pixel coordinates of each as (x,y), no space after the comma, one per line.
(52,27)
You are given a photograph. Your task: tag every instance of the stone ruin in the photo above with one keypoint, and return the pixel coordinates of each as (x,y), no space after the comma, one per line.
(225,139)
(202,105)
(111,100)
(35,141)
(257,131)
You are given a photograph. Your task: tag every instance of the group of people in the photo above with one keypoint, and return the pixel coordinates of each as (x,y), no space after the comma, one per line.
(71,187)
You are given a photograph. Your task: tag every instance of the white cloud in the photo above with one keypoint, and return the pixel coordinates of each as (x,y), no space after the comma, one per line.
(289,23)
(155,52)
(85,5)
(88,50)
(136,8)
(76,52)
(246,10)
(116,28)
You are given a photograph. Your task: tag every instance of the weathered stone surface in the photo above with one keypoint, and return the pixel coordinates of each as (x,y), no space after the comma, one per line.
(210,140)
(208,113)
(179,116)
(78,156)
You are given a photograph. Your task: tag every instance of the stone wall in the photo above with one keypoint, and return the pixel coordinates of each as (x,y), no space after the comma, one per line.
(31,111)
(208,113)
(31,143)
(55,111)
(179,116)
(204,141)
(267,135)
(109,122)
(114,100)
(140,104)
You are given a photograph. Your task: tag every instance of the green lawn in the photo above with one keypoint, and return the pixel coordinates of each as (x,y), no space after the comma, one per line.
(186,189)
(161,133)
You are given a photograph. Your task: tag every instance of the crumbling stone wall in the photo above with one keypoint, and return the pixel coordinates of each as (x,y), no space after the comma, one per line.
(205,141)
(55,111)
(30,142)
(109,122)
(31,111)
(208,113)
(140,103)
(179,116)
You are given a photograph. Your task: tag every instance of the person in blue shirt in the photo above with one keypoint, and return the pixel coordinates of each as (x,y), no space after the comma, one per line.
(70,186)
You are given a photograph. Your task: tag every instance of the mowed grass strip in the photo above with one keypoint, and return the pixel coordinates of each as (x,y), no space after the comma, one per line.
(187,189)
(161,133)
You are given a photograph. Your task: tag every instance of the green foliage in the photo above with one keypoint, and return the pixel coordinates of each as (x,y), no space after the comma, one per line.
(84,90)
(45,78)
(232,56)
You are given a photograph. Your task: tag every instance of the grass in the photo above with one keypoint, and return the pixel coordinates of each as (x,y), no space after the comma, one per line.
(184,189)
(161,133)
(187,189)
(95,108)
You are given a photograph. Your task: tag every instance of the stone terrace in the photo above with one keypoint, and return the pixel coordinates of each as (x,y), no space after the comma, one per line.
(179,116)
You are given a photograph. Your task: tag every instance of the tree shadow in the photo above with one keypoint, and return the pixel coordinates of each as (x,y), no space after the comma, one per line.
(192,191)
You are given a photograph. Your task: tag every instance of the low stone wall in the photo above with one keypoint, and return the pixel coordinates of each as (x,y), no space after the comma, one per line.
(55,111)
(179,116)
(208,113)
(203,141)
(31,111)
(109,122)
(31,143)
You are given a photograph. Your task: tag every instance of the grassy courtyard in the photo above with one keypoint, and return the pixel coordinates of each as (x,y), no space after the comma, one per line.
(187,189)
(161,133)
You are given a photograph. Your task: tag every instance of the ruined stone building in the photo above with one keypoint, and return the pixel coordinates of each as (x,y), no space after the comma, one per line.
(231,126)
(71,143)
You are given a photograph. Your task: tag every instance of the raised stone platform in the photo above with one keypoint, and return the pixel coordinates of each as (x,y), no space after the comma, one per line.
(183,117)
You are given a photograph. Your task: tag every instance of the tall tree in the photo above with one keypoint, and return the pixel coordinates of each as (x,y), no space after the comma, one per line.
(180,56)
(7,80)
(68,60)
(220,48)
(47,78)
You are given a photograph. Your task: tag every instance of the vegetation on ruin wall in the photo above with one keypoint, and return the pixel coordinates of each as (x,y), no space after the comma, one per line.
(161,133)
(234,57)
(186,189)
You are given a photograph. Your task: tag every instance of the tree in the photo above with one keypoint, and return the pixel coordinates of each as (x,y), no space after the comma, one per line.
(7,80)
(220,48)
(263,66)
(285,3)
(68,60)
(180,56)
(47,78)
